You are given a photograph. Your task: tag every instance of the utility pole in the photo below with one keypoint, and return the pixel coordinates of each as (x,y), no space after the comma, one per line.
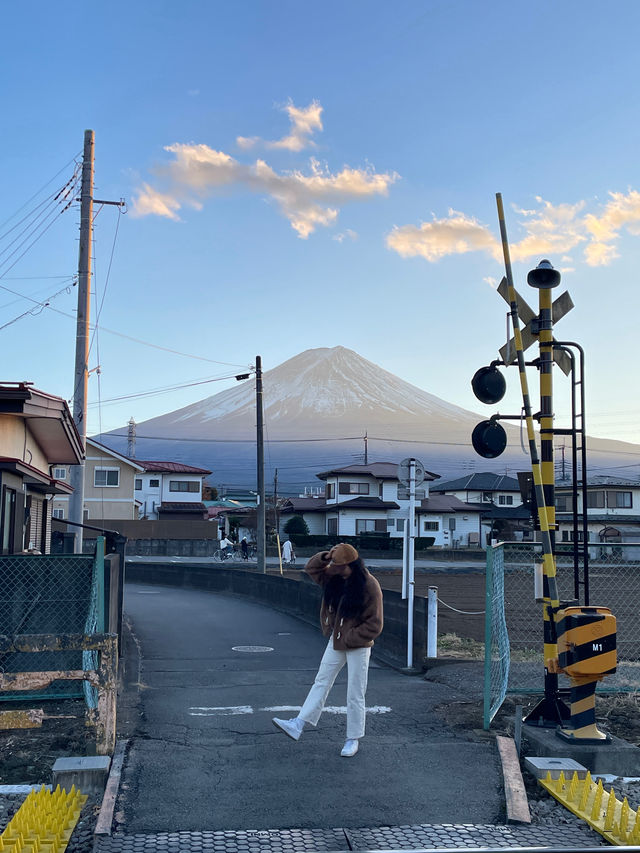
(261,542)
(131,438)
(366,448)
(76,500)
(76,478)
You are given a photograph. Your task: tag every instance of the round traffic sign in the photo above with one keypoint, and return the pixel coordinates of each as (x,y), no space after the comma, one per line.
(404,471)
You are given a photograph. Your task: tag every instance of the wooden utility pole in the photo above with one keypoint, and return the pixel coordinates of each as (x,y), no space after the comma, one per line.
(260,533)
(76,500)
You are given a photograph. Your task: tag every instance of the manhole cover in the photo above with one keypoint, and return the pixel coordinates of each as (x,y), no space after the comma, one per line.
(252,649)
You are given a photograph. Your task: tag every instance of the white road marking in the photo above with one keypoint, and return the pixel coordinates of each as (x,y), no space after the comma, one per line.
(330,709)
(224,711)
(235,710)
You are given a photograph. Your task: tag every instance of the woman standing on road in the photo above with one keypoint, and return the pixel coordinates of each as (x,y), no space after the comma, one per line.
(351,616)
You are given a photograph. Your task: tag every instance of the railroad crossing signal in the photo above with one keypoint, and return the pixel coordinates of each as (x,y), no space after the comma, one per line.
(560,307)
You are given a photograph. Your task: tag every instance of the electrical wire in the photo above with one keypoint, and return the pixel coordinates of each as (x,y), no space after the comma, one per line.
(155,391)
(38,309)
(74,159)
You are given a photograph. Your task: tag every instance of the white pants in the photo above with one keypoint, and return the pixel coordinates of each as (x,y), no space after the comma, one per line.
(357,661)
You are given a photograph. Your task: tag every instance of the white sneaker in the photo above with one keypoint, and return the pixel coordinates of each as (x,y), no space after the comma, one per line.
(293,728)
(350,748)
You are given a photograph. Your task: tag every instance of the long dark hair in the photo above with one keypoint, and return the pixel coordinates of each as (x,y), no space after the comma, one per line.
(347,593)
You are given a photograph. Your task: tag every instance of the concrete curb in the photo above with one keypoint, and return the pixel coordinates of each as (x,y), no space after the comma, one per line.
(105,816)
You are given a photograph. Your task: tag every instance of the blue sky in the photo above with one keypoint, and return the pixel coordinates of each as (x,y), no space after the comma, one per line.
(305,175)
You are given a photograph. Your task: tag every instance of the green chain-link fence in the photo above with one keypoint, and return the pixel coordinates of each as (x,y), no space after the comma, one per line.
(51,594)
(514,625)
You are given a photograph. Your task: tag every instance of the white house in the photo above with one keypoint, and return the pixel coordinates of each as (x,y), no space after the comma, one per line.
(498,499)
(613,510)
(170,490)
(370,499)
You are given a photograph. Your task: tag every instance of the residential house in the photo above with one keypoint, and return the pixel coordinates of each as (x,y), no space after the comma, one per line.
(613,510)
(170,490)
(109,479)
(370,499)
(37,437)
(498,499)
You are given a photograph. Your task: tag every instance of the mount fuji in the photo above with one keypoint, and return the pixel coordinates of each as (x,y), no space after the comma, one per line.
(318,408)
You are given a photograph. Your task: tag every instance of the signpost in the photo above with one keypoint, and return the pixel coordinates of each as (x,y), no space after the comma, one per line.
(410,474)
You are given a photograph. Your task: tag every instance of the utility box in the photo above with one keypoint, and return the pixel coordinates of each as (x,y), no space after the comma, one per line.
(586,641)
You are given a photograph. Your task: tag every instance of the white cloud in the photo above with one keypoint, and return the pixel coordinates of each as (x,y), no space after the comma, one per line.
(149,201)
(491,281)
(454,235)
(550,230)
(348,234)
(306,200)
(304,122)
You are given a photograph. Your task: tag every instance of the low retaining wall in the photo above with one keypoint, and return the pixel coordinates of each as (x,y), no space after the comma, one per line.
(300,598)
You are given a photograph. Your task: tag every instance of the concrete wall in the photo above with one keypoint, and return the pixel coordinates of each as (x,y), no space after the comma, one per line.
(298,598)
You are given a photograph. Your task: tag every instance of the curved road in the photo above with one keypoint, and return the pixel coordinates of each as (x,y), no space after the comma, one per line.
(204,754)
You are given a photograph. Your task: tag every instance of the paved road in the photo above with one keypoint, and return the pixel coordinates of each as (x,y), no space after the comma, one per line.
(228,768)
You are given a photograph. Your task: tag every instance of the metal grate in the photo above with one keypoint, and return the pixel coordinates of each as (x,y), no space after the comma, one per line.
(514,629)
(49,594)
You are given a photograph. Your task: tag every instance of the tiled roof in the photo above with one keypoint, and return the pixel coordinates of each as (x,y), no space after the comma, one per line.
(486,482)
(182,506)
(445,503)
(379,470)
(363,503)
(170,467)
(304,505)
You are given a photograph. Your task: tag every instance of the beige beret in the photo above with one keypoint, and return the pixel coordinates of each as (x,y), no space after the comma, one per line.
(343,553)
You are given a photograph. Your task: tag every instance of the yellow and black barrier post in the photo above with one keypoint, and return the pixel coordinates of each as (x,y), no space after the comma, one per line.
(586,653)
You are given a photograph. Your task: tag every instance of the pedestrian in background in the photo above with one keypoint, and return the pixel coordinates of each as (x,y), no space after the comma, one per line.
(244,547)
(287,551)
(351,616)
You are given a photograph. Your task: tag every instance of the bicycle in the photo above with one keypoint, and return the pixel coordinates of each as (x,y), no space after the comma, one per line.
(223,554)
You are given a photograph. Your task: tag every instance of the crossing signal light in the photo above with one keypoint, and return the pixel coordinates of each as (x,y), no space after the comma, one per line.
(489,439)
(489,385)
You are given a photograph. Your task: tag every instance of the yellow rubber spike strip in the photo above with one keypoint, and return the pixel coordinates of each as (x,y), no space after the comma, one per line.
(615,820)
(44,822)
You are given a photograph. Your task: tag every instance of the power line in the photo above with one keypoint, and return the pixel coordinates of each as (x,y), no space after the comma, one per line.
(74,159)
(154,391)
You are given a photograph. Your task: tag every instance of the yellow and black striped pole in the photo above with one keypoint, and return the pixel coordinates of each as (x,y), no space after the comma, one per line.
(586,652)
(551,710)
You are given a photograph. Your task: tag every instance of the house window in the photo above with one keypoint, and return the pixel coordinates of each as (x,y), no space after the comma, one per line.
(57,513)
(106,477)
(354,489)
(431,525)
(619,500)
(391,524)
(400,524)
(138,484)
(330,491)
(183,486)
(59,473)
(403,494)
(371,525)
(595,500)
(505,500)
(154,484)
(332,527)
(567,536)
(563,503)
(8,519)
(486,497)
